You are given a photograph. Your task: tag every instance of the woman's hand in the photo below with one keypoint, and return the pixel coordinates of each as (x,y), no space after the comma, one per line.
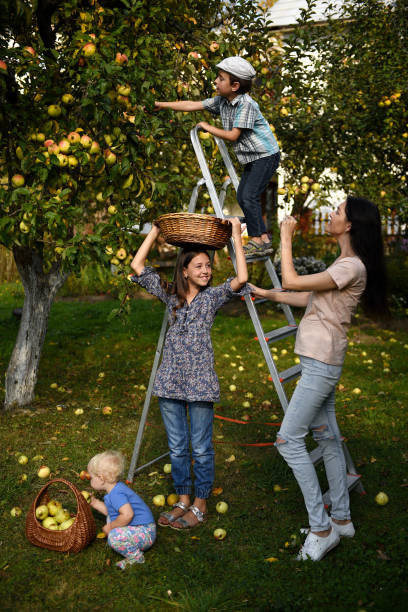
(257,292)
(236,225)
(203,125)
(106,529)
(287,227)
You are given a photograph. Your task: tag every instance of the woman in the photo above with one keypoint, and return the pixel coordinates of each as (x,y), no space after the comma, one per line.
(331,298)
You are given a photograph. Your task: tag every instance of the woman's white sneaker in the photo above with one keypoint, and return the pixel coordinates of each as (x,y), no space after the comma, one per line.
(316,547)
(344,531)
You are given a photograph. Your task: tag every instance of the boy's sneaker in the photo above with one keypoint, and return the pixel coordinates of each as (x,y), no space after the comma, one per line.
(315,547)
(253,249)
(344,531)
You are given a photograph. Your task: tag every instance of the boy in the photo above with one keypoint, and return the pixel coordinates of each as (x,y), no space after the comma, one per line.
(251,138)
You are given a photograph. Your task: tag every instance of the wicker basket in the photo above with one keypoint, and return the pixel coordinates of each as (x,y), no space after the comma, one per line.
(183,229)
(75,538)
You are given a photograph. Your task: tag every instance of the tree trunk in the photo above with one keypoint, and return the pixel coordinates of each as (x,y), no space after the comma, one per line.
(40,289)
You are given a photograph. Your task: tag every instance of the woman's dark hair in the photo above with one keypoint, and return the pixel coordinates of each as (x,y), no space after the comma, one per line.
(244,84)
(180,285)
(367,243)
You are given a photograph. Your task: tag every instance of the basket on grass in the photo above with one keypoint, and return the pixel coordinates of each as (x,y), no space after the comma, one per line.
(183,229)
(75,538)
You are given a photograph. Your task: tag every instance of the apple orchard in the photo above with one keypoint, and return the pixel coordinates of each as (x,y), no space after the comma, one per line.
(83,155)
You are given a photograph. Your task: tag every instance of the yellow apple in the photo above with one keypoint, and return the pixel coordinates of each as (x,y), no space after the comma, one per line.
(50,523)
(41,512)
(221,507)
(23,459)
(220,534)
(66,524)
(159,500)
(172,499)
(112,210)
(106,410)
(87,496)
(54,110)
(381,498)
(62,515)
(167,468)
(53,507)
(16,511)
(43,472)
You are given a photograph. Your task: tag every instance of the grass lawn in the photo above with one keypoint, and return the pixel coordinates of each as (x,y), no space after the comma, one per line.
(97,363)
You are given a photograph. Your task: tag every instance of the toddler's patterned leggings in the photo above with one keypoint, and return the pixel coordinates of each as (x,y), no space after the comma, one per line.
(131,541)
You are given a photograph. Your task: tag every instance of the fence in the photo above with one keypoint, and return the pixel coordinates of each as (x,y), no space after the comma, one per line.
(392,225)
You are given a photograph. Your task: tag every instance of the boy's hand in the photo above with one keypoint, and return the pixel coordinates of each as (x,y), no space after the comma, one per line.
(256,291)
(203,125)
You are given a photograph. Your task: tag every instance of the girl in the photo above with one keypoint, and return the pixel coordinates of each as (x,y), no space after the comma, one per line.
(186,376)
(130,527)
(331,298)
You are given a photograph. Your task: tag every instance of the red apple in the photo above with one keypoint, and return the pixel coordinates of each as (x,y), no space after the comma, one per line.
(89,49)
(53,149)
(17,180)
(86,141)
(214,46)
(3,66)
(95,148)
(123,100)
(84,475)
(74,137)
(110,157)
(49,142)
(193,54)
(30,51)
(121,59)
(64,146)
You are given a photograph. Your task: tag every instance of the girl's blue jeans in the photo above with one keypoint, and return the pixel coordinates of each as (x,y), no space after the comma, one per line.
(179,435)
(312,407)
(254,180)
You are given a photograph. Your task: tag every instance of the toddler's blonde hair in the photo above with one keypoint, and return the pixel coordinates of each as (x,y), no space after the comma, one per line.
(109,465)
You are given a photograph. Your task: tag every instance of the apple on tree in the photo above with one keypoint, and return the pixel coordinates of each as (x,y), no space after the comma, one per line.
(54,110)
(17,180)
(89,49)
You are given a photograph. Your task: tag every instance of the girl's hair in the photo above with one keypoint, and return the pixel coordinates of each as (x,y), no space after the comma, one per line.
(109,464)
(179,286)
(244,84)
(366,241)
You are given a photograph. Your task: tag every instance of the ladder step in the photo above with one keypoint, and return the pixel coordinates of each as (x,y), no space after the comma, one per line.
(353,480)
(290,373)
(281,332)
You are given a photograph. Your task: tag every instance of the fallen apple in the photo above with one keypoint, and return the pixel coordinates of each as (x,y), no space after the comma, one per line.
(220,534)
(106,410)
(41,512)
(23,459)
(43,472)
(172,499)
(84,475)
(221,507)
(159,500)
(381,498)
(16,511)
(167,468)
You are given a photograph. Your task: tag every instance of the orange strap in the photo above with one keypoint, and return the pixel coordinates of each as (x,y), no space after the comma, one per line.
(222,418)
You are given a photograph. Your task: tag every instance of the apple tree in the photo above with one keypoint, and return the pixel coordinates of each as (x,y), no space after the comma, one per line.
(83,156)
(342,105)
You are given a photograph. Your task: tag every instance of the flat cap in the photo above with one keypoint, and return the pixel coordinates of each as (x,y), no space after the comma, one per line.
(238,66)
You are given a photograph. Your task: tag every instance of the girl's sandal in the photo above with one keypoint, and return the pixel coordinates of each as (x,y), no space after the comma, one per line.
(182,524)
(166,518)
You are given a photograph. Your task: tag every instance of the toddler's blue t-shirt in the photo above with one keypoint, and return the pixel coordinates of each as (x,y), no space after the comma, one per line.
(122,494)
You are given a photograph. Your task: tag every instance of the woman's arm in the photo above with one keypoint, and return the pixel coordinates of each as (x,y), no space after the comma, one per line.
(124,518)
(231,135)
(321,281)
(242,271)
(298,298)
(139,259)
(180,105)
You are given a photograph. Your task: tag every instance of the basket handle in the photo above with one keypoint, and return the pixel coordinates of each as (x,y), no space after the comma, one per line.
(78,495)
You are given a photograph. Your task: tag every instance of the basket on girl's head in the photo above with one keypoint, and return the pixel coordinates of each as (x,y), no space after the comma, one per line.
(182,229)
(75,537)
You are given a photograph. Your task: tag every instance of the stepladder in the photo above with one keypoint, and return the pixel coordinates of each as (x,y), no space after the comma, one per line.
(265,338)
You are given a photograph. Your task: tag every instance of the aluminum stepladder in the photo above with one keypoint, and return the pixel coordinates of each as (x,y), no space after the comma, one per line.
(279,379)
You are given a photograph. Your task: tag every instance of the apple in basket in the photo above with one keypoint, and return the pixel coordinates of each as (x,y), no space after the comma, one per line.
(53,507)
(41,512)
(62,516)
(67,524)
(50,523)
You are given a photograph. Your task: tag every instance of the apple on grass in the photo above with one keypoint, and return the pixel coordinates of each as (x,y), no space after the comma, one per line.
(84,475)
(107,410)
(23,459)
(16,511)
(381,498)
(220,534)
(167,468)
(159,500)
(172,499)
(221,507)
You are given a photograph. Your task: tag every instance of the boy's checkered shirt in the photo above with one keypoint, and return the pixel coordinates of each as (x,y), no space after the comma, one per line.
(256,139)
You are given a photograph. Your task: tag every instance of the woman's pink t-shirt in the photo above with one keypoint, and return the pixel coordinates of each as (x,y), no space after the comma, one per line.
(322,332)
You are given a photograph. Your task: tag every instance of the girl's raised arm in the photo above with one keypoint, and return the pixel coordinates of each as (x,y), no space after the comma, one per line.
(242,271)
(139,259)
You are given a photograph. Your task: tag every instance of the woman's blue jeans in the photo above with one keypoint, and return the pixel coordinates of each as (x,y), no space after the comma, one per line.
(312,407)
(179,436)
(254,181)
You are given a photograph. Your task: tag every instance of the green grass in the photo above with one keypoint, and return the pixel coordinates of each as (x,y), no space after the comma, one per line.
(191,571)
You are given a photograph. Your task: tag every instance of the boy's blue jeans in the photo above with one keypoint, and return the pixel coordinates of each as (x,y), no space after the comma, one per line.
(254,180)
(312,407)
(179,435)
